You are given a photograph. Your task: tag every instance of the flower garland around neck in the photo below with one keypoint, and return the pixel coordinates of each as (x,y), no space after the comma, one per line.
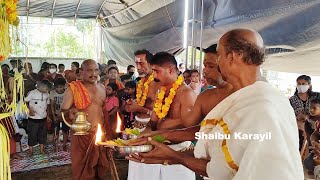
(141,97)
(162,109)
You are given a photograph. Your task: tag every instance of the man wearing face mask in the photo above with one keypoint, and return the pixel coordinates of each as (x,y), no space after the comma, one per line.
(300,102)
(53,75)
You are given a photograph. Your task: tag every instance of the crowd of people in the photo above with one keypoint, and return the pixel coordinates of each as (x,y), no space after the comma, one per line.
(168,100)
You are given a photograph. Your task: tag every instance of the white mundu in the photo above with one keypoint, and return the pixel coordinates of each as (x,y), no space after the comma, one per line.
(255,109)
(140,171)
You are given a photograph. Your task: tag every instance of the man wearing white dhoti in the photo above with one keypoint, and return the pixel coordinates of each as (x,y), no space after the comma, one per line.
(174,100)
(252,134)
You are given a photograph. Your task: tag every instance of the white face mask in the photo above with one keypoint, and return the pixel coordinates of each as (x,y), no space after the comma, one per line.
(302,88)
(52,71)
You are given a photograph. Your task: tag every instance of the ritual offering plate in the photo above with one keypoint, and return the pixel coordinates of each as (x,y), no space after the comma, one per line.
(129,133)
(122,146)
(133,149)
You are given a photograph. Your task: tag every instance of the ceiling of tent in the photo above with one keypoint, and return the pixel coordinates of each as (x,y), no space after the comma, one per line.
(157,25)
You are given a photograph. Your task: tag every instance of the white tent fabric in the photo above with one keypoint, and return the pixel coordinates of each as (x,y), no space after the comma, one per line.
(157,25)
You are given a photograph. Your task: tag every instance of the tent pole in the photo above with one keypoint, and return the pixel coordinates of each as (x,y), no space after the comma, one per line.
(201,29)
(192,34)
(186,27)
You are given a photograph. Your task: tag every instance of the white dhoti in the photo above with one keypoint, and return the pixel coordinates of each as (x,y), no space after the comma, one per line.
(270,152)
(140,171)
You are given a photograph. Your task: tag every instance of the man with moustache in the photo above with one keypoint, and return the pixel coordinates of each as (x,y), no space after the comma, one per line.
(143,105)
(174,100)
(88,160)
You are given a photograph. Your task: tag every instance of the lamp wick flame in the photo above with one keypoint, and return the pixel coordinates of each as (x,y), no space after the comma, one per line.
(118,130)
(98,134)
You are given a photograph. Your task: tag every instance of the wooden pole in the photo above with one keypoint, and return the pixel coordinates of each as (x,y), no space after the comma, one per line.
(113,168)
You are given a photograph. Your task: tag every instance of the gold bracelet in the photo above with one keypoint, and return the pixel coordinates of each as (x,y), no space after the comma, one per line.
(165,162)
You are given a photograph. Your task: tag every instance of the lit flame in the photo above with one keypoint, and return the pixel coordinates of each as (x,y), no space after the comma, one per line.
(98,134)
(118,130)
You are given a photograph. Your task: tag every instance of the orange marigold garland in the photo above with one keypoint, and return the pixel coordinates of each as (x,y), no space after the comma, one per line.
(162,109)
(141,97)
(8,15)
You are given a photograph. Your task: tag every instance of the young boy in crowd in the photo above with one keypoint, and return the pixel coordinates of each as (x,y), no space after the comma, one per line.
(113,74)
(112,104)
(130,92)
(312,161)
(56,98)
(38,101)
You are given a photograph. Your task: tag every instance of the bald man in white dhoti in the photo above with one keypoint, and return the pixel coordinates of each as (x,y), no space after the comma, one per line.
(252,134)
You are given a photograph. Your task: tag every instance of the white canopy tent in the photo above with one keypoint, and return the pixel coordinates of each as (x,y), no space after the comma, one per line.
(129,25)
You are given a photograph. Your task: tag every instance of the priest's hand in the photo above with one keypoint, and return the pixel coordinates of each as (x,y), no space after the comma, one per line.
(143,137)
(132,107)
(160,152)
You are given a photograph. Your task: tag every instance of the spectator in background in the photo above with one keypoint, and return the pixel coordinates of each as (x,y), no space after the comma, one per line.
(30,78)
(130,71)
(38,101)
(111,63)
(16,66)
(61,68)
(195,81)
(182,68)
(53,75)
(112,105)
(56,98)
(71,75)
(78,75)
(113,74)
(187,77)
(130,92)
(125,78)
(8,81)
(105,70)
(300,102)
(44,70)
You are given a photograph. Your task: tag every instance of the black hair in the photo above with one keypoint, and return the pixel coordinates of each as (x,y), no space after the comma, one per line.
(59,82)
(61,65)
(5,65)
(113,67)
(194,71)
(252,54)
(187,71)
(113,86)
(110,62)
(129,67)
(15,60)
(44,65)
(164,58)
(211,49)
(53,65)
(306,78)
(125,77)
(130,84)
(148,54)
(77,71)
(315,101)
(76,64)
(46,83)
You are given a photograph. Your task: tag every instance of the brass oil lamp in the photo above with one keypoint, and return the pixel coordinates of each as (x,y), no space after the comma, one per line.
(81,126)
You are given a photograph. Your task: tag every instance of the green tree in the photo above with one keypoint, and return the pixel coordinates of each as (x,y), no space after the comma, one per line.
(64,45)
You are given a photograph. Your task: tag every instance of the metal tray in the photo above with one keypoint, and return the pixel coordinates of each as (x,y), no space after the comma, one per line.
(133,149)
